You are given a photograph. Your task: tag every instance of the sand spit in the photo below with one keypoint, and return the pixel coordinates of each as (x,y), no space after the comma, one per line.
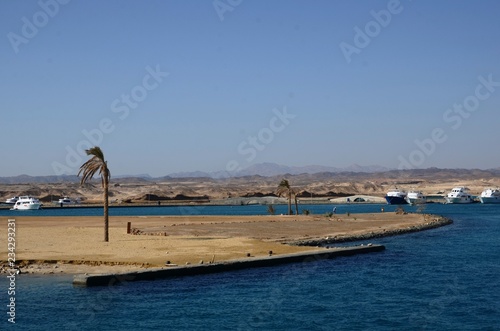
(71,245)
(434,222)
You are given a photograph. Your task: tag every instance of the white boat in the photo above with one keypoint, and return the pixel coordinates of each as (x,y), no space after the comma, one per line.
(416,198)
(459,195)
(396,197)
(11,201)
(490,195)
(27,203)
(66,201)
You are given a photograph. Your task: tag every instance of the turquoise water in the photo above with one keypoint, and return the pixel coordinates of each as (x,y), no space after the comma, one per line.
(191,210)
(441,279)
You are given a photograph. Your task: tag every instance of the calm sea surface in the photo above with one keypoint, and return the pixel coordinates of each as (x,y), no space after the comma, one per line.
(442,279)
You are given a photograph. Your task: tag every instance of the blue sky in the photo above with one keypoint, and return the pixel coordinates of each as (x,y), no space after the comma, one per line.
(169,86)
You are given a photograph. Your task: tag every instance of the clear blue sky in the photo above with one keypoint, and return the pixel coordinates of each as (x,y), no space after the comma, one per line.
(239,82)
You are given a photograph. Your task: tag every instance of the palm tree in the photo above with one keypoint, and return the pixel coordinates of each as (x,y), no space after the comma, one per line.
(296,203)
(88,169)
(284,187)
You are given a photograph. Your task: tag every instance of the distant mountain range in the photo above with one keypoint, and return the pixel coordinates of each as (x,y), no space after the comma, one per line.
(270,170)
(273,169)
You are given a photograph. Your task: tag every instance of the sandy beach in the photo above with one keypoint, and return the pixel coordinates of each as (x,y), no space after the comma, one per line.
(75,244)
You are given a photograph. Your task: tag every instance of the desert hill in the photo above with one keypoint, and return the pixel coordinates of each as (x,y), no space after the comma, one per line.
(323,184)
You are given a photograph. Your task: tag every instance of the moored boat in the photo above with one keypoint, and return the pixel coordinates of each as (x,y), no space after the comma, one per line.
(396,197)
(490,195)
(416,198)
(27,203)
(459,195)
(11,201)
(66,201)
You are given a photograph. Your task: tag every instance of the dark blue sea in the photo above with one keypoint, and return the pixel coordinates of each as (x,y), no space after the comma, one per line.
(442,279)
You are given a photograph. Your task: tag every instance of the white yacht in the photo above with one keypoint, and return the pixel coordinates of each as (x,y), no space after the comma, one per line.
(396,197)
(459,195)
(27,203)
(490,195)
(66,201)
(11,201)
(416,198)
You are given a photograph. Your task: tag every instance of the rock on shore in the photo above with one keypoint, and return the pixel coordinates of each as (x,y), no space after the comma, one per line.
(432,224)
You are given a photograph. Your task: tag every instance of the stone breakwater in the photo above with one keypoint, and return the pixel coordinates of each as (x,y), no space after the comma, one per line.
(46,267)
(431,224)
(203,269)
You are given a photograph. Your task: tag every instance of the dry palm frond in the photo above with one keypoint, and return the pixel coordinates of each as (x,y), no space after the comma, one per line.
(94,165)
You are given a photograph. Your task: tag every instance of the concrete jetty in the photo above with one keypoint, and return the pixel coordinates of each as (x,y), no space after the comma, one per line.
(200,269)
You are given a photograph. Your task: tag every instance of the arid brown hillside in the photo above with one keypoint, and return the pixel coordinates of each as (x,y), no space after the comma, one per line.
(430,181)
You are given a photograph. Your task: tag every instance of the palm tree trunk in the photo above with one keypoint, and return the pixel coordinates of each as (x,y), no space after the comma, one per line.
(296,205)
(289,203)
(106,210)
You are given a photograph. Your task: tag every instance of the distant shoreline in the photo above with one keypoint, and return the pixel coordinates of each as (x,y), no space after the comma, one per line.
(310,188)
(173,203)
(242,201)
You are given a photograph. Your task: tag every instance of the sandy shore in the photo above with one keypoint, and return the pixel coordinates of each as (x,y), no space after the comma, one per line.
(75,244)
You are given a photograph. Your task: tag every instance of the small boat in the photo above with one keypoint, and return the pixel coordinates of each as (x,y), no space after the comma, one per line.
(396,197)
(459,195)
(11,201)
(416,198)
(490,195)
(27,203)
(66,201)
